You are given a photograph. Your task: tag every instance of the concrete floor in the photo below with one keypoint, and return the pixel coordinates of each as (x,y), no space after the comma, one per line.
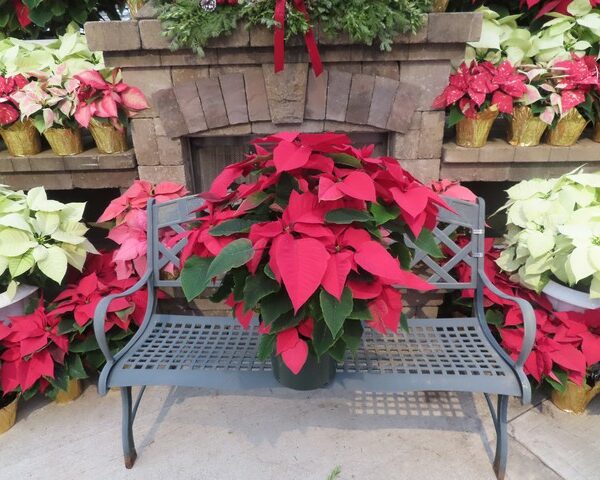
(282,435)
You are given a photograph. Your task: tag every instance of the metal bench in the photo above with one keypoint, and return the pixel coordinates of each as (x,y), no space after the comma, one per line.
(455,354)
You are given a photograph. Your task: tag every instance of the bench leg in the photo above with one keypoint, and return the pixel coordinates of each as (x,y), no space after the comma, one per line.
(129,452)
(501,437)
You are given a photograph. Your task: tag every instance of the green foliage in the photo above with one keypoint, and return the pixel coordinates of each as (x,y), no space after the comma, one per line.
(374,22)
(52,17)
(188,25)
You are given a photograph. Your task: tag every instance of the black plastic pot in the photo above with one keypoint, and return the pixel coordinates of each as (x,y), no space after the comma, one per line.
(315,374)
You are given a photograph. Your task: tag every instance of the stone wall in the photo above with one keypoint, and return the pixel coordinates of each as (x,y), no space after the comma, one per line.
(178,86)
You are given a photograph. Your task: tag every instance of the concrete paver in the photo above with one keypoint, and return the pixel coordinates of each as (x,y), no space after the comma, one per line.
(199,434)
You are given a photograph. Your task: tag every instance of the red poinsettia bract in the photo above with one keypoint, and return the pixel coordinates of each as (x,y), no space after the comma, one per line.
(32,347)
(99,280)
(302,200)
(9,111)
(130,230)
(476,86)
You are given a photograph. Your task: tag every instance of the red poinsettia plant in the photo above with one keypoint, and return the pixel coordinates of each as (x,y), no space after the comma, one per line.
(9,109)
(35,352)
(478,86)
(308,232)
(129,231)
(567,344)
(107,100)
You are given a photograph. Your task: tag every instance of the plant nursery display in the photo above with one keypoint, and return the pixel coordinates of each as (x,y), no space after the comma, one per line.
(21,138)
(105,106)
(308,232)
(553,234)
(39,238)
(50,102)
(566,353)
(476,94)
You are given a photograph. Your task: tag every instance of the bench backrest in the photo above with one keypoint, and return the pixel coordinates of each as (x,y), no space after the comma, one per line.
(468,218)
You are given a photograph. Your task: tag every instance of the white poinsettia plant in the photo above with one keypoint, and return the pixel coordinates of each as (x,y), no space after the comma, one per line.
(553,232)
(39,238)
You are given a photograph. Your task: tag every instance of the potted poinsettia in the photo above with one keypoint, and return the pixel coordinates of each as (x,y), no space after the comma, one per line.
(566,352)
(308,233)
(552,239)
(39,238)
(50,102)
(105,107)
(21,138)
(128,229)
(476,94)
(570,108)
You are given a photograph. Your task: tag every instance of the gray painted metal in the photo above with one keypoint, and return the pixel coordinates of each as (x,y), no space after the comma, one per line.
(455,354)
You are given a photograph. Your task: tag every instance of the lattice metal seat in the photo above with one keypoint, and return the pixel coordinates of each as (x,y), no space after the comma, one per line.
(452,351)
(455,354)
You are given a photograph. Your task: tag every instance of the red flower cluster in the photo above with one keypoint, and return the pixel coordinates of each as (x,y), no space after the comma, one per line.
(565,341)
(478,85)
(130,232)
(288,212)
(9,111)
(81,298)
(574,80)
(33,346)
(548,6)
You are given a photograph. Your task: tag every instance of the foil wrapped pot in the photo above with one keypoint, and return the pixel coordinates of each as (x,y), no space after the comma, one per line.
(108,138)
(21,139)
(525,129)
(474,132)
(567,130)
(64,141)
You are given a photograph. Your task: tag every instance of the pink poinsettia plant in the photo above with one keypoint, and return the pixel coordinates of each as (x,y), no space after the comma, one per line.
(478,86)
(553,91)
(129,232)
(308,233)
(567,344)
(9,109)
(49,100)
(109,100)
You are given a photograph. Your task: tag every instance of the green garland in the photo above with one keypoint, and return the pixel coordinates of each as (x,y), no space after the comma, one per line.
(367,22)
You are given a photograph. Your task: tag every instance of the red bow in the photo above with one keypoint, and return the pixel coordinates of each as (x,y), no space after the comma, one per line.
(309,38)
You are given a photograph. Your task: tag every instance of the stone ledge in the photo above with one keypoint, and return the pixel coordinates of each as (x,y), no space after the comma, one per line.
(47,161)
(123,36)
(68,180)
(499,151)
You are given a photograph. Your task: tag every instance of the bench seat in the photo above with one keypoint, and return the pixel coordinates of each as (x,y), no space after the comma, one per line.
(216,352)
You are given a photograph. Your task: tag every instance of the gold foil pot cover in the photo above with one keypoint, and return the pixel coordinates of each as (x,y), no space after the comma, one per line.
(575,398)
(596,134)
(525,128)
(474,132)
(8,415)
(21,139)
(73,392)
(567,130)
(439,5)
(108,139)
(64,141)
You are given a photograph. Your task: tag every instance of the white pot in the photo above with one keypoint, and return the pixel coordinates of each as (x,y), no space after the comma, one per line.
(13,307)
(566,299)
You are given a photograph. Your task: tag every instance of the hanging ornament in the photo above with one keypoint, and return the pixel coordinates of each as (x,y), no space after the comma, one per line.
(208,5)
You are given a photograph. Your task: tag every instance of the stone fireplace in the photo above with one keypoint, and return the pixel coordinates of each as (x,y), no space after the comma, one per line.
(204,110)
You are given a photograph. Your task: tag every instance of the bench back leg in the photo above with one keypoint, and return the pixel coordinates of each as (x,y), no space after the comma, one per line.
(501,437)
(129,452)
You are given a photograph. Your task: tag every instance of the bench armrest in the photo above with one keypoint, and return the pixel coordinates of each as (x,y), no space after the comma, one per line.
(100,315)
(529,321)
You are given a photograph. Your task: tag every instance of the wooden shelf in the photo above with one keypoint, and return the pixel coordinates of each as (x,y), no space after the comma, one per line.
(66,172)
(500,161)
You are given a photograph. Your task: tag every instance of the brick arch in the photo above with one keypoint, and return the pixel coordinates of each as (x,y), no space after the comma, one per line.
(290,98)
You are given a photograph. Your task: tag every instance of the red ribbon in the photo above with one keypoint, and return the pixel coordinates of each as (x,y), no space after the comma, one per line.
(309,38)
